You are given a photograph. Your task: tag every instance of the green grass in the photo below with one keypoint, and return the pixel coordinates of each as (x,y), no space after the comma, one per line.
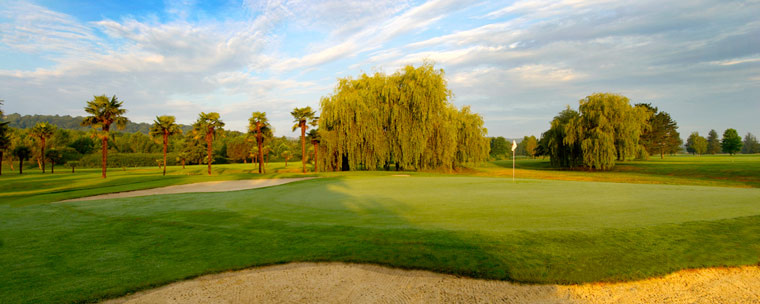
(531,231)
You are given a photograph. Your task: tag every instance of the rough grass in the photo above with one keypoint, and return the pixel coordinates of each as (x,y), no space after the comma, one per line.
(532,231)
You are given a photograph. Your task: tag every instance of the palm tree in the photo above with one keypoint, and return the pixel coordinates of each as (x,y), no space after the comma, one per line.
(163,127)
(104,112)
(259,124)
(302,117)
(208,126)
(43,131)
(5,142)
(315,139)
(22,153)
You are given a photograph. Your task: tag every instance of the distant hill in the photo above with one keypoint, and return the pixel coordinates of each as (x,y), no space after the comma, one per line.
(72,123)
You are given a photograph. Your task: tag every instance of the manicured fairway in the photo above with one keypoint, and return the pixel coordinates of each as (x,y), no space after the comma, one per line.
(535,231)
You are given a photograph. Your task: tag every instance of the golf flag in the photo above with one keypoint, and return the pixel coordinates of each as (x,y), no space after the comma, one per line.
(514,145)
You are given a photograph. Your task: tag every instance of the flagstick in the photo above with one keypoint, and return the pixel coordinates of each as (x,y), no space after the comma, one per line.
(513,166)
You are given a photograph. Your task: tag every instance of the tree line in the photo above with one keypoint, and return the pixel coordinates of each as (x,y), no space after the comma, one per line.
(730,143)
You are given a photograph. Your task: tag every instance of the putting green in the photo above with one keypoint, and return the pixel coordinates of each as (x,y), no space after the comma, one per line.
(537,231)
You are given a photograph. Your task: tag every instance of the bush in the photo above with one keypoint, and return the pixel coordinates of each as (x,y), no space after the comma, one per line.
(119,160)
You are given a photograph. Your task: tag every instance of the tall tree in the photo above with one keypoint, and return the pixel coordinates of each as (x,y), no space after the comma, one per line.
(403,120)
(22,153)
(315,139)
(607,129)
(208,126)
(43,131)
(713,142)
(303,117)
(104,112)
(731,142)
(750,145)
(258,124)
(661,135)
(163,127)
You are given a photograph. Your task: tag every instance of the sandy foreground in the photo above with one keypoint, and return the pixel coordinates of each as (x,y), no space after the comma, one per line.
(215,186)
(359,283)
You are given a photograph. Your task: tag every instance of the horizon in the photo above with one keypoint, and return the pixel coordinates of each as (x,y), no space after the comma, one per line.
(517,64)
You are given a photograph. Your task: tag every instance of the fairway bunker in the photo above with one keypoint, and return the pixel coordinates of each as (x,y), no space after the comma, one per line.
(215,186)
(360,283)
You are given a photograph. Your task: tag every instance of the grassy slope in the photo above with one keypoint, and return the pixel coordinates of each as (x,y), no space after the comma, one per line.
(530,231)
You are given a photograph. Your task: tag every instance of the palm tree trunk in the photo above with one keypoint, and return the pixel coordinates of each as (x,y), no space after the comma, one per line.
(43,154)
(303,146)
(166,143)
(208,149)
(20,165)
(104,148)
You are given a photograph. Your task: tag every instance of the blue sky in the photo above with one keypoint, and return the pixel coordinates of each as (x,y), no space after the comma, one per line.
(517,63)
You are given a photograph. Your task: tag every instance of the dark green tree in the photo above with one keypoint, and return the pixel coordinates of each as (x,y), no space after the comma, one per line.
(713,142)
(499,147)
(562,153)
(731,142)
(5,142)
(22,153)
(661,135)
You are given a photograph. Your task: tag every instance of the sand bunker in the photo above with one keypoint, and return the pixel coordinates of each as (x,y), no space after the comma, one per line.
(216,186)
(356,283)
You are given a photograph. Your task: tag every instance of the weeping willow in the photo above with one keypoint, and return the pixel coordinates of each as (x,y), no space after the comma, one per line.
(403,120)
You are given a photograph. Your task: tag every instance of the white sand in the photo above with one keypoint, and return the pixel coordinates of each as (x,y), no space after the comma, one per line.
(216,186)
(357,283)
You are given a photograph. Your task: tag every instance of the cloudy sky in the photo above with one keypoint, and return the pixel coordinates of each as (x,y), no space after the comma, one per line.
(517,63)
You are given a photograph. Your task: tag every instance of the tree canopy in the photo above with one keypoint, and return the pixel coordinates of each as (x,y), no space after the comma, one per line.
(731,142)
(696,144)
(661,135)
(713,142)
(404,119)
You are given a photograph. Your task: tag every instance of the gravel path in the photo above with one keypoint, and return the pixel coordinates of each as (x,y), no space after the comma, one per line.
(357,283)
(216,186)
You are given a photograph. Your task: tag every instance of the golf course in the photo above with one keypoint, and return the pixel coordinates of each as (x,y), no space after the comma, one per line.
(643,219)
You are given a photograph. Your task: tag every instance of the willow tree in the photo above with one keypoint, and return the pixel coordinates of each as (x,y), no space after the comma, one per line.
(403,120)
(607,129)
(207,127)
(42,131)
(303,117)
(258,125)
(163,127)
(561,153)
(104,112)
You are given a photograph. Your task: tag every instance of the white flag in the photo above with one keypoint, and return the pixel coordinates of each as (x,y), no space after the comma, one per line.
(514,145)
